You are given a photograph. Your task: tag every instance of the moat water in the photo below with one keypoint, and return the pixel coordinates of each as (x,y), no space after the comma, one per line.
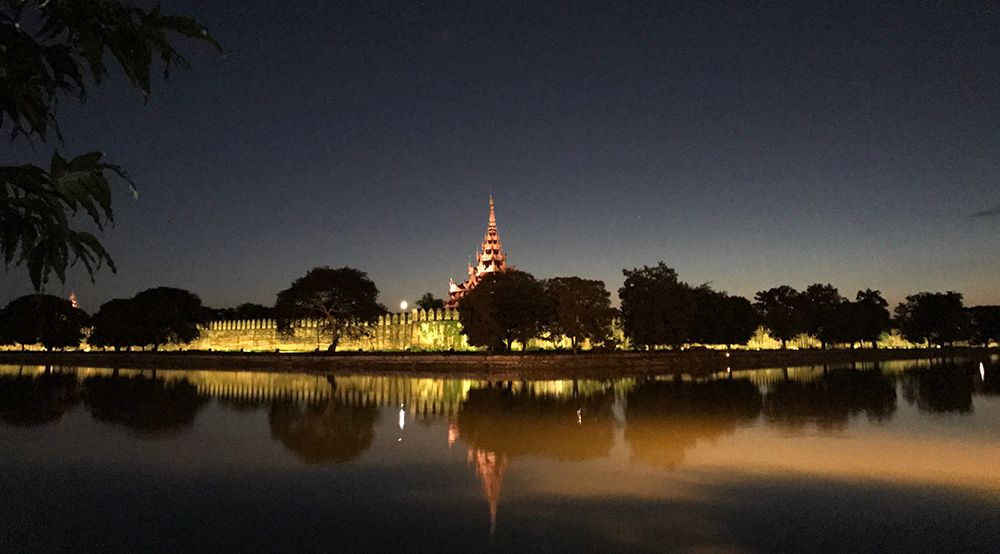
(903,456)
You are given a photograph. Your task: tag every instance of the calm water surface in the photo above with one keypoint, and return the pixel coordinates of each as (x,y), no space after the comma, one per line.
(904,457)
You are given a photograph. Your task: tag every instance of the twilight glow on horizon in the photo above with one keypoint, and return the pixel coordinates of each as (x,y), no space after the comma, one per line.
(748,147)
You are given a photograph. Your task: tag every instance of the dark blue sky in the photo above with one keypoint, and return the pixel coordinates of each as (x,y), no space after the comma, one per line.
(748,146)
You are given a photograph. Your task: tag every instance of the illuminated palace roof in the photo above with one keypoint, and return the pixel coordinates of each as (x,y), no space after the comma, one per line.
(490,258)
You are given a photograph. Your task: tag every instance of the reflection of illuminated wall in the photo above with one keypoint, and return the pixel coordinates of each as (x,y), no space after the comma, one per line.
(421,396)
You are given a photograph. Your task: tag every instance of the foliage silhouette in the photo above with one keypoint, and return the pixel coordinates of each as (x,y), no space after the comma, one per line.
(343,300)
(985,324)
(167,315)
(936,317)
(55,49)
(722,319)
(503,308)
(42,319)
(656,308)
(116,324)
(865,319)
(429,302)
(780,310)
(247,310)
(581,310)
(822,312)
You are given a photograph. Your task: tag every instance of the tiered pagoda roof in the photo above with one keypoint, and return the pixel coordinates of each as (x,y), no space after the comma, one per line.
(490,258)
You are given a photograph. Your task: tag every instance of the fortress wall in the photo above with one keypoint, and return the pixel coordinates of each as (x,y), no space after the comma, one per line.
(414,330)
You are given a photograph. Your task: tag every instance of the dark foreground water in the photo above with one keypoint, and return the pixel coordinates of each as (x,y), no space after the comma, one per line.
(902,457)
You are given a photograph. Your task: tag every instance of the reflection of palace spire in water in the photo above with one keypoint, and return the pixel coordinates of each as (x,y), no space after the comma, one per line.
(490,468)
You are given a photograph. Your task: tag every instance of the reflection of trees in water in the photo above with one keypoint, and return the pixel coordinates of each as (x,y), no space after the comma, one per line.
(144,405)
(327,432)
(831,400)
(666,418)
(940,388)
(991,380)
(508,423)
(37,399)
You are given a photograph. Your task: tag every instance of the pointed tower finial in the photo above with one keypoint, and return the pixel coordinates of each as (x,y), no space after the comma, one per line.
(493,216)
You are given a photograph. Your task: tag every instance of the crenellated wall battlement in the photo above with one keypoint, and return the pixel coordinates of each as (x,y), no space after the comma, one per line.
(416,329)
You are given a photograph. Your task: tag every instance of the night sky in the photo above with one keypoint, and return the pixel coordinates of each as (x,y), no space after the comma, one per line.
(747,146)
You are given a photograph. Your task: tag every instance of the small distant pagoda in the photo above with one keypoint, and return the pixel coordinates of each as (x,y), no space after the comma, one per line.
(490,259)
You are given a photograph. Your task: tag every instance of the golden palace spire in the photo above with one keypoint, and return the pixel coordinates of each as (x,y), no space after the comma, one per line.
(490,258)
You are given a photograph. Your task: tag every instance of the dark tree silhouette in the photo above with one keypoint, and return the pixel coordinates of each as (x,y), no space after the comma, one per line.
(985,323)
(343,300)
(780,312)
(145,405)
(116,324)
(50,50)
(939,318)
(722,319)
(30,400)
(582,310)
(742,321)
(657,309)
(42,319)
(865,319)
(247,310)
(820,306)
(429,302)
(168,315)
(503,308)
(327,433)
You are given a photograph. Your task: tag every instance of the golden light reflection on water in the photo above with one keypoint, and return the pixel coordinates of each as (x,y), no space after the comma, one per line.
(902,424)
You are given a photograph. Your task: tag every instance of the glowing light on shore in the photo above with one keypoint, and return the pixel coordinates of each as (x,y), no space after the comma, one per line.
(403,305)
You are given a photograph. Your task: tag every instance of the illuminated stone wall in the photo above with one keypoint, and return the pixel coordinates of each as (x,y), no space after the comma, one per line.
(415,330)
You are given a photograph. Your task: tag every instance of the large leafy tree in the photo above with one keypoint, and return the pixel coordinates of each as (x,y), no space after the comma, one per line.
(42,319)
(166,315)
(780,312)
(865,319)
(985,324)
(503,308)
(936,317)
(582,309)
(657,309)
(722,319)
(820,306)
(429,302)
(344,301)
(56,49)
(116,324)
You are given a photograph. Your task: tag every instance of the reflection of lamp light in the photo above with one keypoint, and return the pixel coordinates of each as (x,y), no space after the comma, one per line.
(402,417)
(982,372)
(403,305)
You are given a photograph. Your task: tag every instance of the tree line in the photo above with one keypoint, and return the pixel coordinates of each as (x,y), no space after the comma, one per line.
(511,308)
(658,310)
